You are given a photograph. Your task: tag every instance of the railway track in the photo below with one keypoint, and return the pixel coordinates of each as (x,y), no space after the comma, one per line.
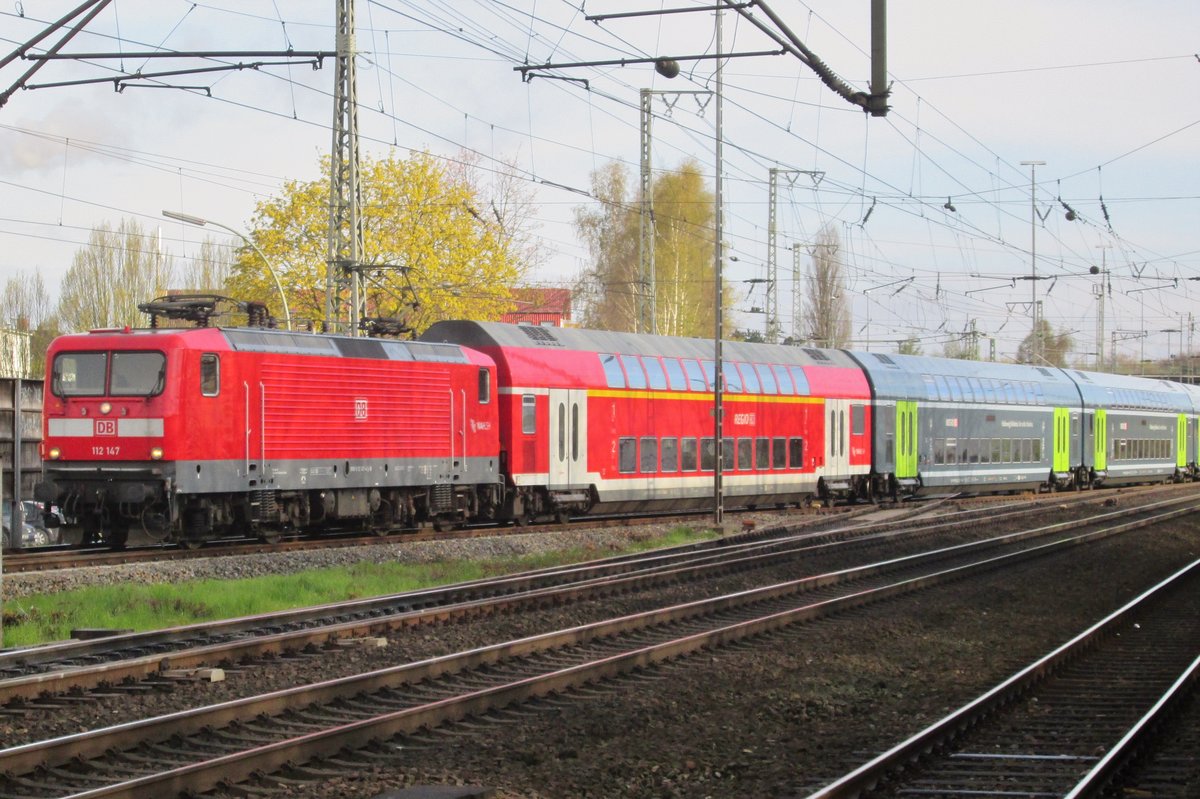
(64,557)
(1067,724)
(306,729)
(31,675)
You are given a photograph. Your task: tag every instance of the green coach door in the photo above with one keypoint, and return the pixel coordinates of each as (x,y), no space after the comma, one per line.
(1181,441)
(906,439)
(1062,440)
(1100,441)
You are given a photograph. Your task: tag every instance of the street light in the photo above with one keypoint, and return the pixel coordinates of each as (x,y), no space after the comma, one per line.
(201,222)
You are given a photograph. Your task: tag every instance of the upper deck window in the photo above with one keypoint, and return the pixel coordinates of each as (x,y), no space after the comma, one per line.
(612,371)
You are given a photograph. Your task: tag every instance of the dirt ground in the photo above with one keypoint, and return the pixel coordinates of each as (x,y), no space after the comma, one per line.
(787,713)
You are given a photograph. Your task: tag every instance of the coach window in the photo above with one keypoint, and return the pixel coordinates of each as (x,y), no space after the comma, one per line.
(1006,453)
(654,370)
(210,374)
(562,432)
(997,454)
(767,378)
(733,380)
(710,373)
(745,454)
(528,414)
(708,455)
(612,371)
(649,461)
(627,455)
(575,431)
(669,450)
(634,371)
(796,453)
(695,375)
(939,450)
(951,450)
(1027,450)
(727,460)
(687,455)
(779,453)
(930,388)
(675,375)
(785,380)
(750,378)
(762,453)
(858,420)
(800,379)
(485,387)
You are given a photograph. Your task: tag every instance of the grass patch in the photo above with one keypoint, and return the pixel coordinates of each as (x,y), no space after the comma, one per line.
(51,617)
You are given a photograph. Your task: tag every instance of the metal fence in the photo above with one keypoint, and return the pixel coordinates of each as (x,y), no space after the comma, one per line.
(20,440)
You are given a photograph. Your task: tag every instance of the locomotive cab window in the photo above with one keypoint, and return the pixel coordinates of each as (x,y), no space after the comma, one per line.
(210,374)
(138,374)
(79,374)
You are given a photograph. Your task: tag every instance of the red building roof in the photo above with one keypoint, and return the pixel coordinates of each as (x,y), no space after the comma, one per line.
(538,306)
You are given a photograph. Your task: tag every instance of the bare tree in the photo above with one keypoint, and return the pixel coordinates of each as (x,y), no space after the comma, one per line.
(826,317)
(209,270)
(27,311)
(110,276)
(1043,346)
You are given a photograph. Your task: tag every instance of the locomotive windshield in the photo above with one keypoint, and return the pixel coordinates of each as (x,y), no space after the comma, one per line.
(88,374)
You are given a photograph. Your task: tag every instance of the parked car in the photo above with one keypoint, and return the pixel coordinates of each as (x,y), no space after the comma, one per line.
(34,531)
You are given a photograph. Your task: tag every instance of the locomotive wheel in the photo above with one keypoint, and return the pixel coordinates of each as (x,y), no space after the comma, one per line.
(118,536)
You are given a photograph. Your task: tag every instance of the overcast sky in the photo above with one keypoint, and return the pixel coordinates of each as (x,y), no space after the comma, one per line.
(1103,91)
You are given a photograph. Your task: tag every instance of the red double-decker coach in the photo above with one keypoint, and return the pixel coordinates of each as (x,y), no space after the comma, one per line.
(618,422)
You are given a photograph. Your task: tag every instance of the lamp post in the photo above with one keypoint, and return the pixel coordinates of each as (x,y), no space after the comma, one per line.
(201,222)
(1033,303)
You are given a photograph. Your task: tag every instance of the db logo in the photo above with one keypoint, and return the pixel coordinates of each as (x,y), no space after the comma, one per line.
(106,427)
(360,408)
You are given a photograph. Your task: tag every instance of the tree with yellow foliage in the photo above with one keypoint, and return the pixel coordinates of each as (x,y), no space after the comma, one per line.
(432,248)
(609,289)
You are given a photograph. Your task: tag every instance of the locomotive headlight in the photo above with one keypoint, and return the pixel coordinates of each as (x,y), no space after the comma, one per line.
(105,407)
(54,453)
(156,453)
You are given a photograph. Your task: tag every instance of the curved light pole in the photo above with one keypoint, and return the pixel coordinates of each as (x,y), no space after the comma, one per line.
(199,221)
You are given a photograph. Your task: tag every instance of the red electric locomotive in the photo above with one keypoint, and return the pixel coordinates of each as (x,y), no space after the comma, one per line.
(192,434)
(616,422)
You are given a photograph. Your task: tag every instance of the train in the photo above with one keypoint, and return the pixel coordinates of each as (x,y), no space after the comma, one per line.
(187,435)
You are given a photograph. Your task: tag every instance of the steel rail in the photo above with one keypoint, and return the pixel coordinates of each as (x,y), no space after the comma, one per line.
(239,639)
(1139,733)
(868,776)
(205,774)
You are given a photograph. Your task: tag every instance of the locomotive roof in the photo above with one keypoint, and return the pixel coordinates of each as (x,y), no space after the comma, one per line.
(277,341)
(499,334)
